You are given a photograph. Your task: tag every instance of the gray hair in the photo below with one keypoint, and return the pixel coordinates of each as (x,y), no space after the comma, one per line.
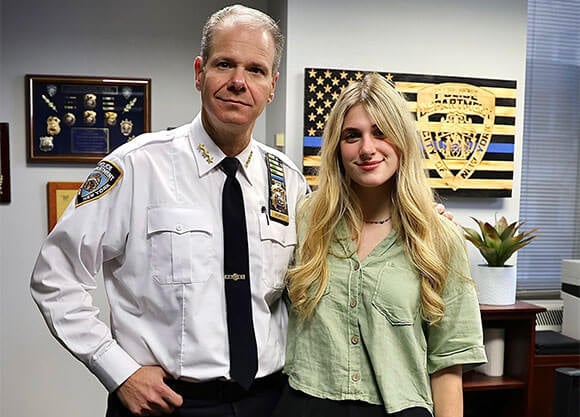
(256,16)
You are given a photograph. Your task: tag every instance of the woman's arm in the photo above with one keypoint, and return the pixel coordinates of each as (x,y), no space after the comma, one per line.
(447,389)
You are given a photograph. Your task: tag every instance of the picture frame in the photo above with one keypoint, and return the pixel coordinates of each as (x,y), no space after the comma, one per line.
(59,195)
(4,164)
(75,119)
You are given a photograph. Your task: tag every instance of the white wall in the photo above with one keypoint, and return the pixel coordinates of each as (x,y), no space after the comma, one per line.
(158,39)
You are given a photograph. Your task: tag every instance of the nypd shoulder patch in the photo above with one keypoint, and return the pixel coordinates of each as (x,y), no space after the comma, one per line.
(99,182)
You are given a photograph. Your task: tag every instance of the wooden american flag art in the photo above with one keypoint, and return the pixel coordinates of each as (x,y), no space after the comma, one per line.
(466,126)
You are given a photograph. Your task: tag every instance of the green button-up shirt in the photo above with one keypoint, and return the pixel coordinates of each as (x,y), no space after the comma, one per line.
(367,341)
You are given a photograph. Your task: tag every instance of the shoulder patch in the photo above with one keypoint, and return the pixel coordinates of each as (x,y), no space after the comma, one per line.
(99,182)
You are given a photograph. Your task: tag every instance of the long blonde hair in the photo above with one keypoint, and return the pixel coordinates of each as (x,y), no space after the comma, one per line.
(425,238)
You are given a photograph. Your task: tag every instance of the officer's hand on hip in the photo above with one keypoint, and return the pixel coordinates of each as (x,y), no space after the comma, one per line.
(145,393)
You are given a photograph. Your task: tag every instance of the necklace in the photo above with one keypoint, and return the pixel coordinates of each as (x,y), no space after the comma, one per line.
(377,221)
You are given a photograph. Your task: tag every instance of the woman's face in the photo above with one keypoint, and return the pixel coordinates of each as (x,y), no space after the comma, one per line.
(367,156)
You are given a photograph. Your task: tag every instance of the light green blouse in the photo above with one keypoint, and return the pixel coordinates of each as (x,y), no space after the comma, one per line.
(366,340)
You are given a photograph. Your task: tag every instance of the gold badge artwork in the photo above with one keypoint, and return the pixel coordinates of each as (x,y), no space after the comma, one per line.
(90,117)
(69,119)
(110,118)
(90,101)
(126,127)
(52,125)
(456,123)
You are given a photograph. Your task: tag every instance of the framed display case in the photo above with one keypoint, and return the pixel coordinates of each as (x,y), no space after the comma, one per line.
(82,119)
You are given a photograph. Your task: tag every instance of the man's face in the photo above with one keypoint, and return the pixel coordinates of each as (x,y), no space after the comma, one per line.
(237,81)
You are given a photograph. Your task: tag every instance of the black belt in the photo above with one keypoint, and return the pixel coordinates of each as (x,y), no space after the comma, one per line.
(226,391)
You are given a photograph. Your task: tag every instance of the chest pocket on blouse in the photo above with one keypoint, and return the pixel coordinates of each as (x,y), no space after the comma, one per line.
(397,296)
(278,243)
(177,237)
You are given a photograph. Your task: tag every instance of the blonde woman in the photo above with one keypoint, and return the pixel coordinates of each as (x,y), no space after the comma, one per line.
(384,315)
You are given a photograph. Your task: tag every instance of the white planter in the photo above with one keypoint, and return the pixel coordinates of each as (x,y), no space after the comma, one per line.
(496,285)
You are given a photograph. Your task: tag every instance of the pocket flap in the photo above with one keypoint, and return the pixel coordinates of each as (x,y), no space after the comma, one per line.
(279,233)
(176,220)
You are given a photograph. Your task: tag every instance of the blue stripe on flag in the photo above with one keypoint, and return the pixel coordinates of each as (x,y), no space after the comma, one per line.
(316,142)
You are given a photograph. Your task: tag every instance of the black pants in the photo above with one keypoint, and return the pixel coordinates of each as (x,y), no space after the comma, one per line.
(299,404)
(217,399)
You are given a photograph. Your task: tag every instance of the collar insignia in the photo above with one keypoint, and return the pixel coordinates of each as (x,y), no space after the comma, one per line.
(249,159)
(204,152)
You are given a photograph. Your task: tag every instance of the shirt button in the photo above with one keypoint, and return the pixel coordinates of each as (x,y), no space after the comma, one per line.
(356,266)
(353,303)
(355,377)
(354,340)
(179,228)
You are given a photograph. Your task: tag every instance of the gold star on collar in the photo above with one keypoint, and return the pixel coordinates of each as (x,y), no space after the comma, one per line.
(204,152)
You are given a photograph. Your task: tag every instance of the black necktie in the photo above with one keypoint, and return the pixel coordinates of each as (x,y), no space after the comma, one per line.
(242,341)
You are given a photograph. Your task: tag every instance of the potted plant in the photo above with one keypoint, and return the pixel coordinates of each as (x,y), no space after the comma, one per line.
(497,243)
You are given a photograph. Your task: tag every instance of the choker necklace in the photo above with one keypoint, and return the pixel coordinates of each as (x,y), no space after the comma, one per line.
(377,221)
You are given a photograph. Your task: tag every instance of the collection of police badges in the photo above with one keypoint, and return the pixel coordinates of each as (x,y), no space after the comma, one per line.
(73,107)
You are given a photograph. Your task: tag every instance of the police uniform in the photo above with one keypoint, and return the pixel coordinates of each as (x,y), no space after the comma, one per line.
(150,215)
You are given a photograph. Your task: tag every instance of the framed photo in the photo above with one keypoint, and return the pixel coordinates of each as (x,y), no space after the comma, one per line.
(82,119)
(4,164)
(59,195)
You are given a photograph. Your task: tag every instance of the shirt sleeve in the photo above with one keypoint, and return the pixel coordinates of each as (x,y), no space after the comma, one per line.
(92,231)
(458,338)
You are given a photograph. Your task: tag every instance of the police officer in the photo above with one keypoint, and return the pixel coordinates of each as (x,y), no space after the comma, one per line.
(149,216)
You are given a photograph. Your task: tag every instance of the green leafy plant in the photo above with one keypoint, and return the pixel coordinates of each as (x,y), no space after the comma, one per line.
(497,243)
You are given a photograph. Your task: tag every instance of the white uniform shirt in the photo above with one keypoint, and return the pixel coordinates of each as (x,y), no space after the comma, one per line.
(158,235)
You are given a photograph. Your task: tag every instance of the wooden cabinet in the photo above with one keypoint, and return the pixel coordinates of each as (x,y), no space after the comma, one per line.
(509,394)
(544,377)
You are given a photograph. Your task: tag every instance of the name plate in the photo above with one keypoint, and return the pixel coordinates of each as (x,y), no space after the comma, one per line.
(89,140)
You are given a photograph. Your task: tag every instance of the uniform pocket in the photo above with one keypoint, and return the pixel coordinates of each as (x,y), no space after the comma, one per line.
(278,243)
(174,235)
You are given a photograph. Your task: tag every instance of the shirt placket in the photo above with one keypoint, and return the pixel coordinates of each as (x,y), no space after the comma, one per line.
(354,341)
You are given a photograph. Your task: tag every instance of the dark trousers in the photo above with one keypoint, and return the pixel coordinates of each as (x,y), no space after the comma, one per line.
(217,399)
(299,404)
